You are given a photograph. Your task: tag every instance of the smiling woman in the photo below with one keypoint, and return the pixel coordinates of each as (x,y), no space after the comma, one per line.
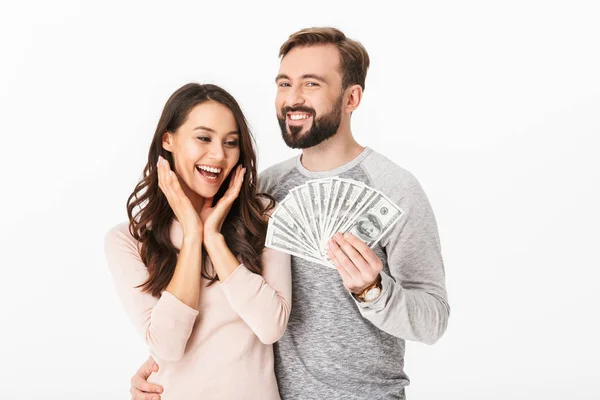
(190,265)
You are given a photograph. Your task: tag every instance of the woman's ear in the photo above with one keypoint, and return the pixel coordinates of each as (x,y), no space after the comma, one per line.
(167,141)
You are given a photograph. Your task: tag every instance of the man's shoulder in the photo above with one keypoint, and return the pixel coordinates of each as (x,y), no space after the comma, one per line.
(385,173)
(268,178)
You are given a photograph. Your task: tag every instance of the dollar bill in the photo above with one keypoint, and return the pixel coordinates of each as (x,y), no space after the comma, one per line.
(337,198)
(278,240)
(374,220)
(356,192)
(311,214)
(284,220)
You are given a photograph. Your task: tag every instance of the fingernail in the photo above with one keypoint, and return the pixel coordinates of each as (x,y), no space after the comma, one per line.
(155,398)
(171,173)
(346,235)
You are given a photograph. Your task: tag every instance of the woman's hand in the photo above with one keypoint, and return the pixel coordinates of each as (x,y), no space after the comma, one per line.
(182,206)
(213,217)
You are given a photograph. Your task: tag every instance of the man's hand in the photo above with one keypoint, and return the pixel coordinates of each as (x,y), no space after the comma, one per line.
(356,263)
(141,389)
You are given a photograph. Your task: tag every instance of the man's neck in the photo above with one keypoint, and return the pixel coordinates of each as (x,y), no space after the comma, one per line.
(334,152)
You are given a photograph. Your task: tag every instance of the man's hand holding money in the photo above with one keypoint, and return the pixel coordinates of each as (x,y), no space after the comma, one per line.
(357,264)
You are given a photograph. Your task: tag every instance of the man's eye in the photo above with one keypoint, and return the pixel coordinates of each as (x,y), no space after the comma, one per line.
(312,84)
(284,84)
(203,138)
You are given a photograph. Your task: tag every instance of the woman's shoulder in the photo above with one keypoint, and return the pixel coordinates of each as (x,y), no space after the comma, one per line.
(119,237)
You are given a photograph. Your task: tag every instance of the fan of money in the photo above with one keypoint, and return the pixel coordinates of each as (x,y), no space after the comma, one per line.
(311,214)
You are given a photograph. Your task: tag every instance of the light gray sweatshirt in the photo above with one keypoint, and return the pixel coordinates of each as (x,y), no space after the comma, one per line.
(335,347)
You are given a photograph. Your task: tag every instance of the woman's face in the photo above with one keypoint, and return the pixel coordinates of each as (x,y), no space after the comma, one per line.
(205,148)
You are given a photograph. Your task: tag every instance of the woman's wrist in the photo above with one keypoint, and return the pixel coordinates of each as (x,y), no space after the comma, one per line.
(212,240)
(193,237)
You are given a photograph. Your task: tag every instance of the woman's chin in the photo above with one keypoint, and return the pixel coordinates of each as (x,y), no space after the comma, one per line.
(205,191)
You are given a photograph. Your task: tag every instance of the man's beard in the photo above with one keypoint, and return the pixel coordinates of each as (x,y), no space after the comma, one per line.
(322,128)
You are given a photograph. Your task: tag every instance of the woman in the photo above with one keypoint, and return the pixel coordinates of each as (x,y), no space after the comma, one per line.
(194,278)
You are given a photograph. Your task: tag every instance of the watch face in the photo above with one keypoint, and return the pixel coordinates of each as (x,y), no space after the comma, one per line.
(372,294)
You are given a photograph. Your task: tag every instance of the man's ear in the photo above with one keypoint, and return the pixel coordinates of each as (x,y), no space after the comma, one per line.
(355,93)
(167,141)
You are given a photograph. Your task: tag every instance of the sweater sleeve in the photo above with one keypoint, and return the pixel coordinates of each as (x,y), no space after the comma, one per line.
(165,323)
(413,304)
(263,302)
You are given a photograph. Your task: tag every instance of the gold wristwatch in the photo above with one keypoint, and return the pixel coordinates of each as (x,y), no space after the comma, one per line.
(371,292)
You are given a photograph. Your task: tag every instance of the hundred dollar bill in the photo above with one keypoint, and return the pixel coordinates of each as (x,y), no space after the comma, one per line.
(321,188)
(278,240)
(340,189)
(356,192)
(358,199)
(282,217)
(324,190)
(302,197)
(374,220)
(293,209)
(315,206)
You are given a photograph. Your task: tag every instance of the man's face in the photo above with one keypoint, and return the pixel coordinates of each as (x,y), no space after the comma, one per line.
(309,95)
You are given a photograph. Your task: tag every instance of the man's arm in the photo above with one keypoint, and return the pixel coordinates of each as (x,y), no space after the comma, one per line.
(413,303)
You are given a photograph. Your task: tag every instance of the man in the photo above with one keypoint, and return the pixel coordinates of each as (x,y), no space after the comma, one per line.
(346,333)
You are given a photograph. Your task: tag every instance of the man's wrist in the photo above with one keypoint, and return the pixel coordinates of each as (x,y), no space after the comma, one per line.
(370,292)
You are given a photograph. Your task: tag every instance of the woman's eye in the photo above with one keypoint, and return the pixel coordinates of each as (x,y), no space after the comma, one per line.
(232,143)
(203,138)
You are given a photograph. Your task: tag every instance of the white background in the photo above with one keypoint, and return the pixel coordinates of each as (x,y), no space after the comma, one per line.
(494,106)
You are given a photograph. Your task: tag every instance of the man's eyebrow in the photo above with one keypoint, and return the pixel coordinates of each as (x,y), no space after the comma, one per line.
(314,76)
(305,76)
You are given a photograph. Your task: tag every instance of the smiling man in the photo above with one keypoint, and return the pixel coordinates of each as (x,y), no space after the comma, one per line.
(346,333)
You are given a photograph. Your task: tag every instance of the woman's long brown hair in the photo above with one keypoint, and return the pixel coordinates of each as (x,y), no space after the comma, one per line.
(150,215)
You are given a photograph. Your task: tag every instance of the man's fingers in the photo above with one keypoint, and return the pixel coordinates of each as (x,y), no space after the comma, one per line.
(344,261)
(140,384)
(346,278)
(357,259)
(140,387)
(148,368)
(137,395)
(365,251)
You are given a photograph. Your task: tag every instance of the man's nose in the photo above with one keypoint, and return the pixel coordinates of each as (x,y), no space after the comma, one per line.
(295,97)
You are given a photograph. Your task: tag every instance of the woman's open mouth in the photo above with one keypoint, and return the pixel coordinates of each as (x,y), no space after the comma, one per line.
(210,173)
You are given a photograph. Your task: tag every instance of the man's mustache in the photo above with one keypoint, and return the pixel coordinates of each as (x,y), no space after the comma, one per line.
(308,110)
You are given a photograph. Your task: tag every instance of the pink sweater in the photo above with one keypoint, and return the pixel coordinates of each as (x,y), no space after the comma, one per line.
(222,351)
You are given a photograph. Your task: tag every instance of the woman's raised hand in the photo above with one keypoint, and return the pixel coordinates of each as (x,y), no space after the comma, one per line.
(213,217)
(182,206)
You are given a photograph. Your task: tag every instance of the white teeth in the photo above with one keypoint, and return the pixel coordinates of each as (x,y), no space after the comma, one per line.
(296,117)
(209,169)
